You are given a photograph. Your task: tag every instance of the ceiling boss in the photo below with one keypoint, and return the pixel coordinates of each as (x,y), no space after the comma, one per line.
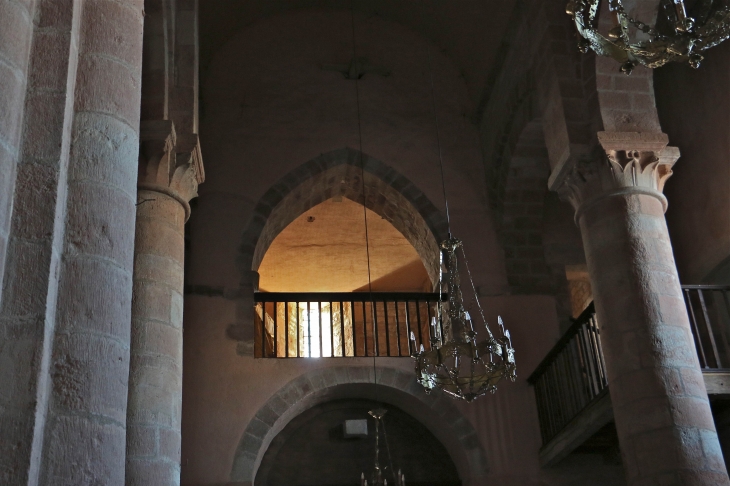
(621,29)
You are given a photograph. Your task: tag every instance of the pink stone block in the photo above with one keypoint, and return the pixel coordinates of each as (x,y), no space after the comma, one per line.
(95,295)
(97,456)
(83,365)
(100,222)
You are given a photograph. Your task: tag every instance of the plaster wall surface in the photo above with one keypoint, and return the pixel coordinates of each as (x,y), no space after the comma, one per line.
(311,449)
(224,391)
(470,34)
(269,107)
(324,250)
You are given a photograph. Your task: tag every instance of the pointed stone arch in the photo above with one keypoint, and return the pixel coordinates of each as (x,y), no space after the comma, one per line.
(395,387)
(339,173)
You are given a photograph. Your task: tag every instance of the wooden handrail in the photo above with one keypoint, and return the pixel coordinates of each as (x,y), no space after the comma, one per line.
(572,375)
(583,318)
(343,324)
(348,296)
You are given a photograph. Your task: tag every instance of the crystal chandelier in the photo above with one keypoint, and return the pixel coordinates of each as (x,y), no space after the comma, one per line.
(377,479)
(676,36)
(459,365)
(455,362)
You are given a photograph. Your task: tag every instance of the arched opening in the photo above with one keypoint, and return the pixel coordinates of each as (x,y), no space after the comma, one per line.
(307,238)
(326,252)
(395,388)
(334,443)
(345,174)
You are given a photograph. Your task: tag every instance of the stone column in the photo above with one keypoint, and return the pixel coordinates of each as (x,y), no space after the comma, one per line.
(35,243)
(16,35)
(665,426)
(85,430)
(167,181)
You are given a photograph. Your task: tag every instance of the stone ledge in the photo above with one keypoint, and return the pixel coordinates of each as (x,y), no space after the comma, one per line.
(599,413)
(315,387)
(717,383)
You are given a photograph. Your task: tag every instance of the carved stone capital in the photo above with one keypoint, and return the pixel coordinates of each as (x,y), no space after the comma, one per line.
(189,153)
(634,163)
(169,164)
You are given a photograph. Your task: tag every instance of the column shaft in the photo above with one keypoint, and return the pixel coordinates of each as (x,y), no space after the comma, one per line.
(35,243)
(85,430)
(155,379)
(16,34)
(170,170)
(662,412)
(168,179)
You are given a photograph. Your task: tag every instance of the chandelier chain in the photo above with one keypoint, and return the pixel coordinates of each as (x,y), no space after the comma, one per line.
(387,448)
(364,196)
(438,141)
(476,295)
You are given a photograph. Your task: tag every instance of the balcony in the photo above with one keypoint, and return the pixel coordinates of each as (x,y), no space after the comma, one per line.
(342,324)
(570,384)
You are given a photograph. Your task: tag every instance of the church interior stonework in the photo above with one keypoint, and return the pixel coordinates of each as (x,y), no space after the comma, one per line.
(234,239)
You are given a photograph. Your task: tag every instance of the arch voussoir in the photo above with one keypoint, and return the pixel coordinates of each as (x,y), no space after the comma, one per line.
(388,193)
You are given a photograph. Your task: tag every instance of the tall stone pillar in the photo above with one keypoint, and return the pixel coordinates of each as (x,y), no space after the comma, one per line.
(85,425)
(16,35)
(35,240)
(167,181)
(665,426)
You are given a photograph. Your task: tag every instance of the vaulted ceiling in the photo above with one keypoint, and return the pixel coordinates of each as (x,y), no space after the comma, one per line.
(469,32)
(323,250)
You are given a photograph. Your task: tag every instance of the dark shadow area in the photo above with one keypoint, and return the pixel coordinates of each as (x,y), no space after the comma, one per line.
(400,280)
(605,443)
(312,449)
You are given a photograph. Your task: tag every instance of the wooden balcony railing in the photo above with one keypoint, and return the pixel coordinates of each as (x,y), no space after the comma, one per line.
(338,325)
(708,307)
(573,374)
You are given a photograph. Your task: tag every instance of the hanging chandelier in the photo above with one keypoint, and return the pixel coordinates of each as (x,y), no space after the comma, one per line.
(455,362)
(377,477)
(459,365)
(676,36)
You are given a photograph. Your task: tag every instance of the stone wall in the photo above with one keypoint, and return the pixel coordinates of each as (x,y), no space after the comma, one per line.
(341,173)
(234,404)
(312,448)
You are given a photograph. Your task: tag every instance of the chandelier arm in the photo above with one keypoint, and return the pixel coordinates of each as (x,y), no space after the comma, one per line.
(619,9)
